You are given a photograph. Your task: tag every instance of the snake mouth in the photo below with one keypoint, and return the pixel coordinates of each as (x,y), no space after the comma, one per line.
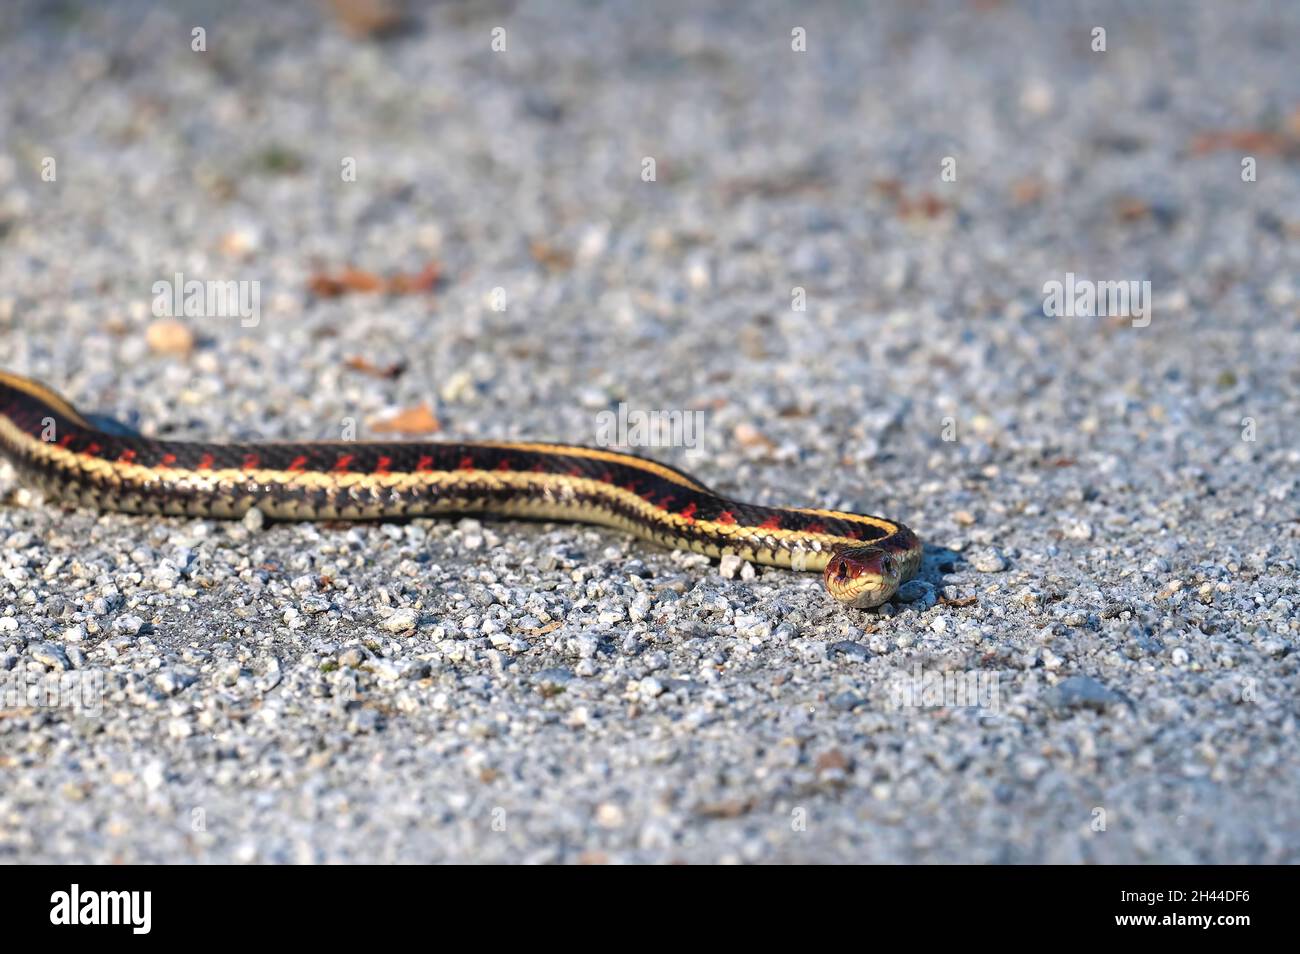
(863,577)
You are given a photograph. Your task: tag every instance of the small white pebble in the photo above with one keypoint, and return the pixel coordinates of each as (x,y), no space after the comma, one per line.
(988,561)
(730,566)
(401,621)
(254,520)
(130,625)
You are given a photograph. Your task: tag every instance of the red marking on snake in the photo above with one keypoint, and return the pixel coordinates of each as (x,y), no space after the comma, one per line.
(466,463)
(381,468)
(771,523)
(342,463)
(251,461)
(167,460)
(425,464)
(66,439)
(505,464)
(606,477)
(853,534)
(726,517)
(630,486)
(665,501)
(93,449)
(298,464)
(816,528)
(688,512)
(126,456)
(539,468)
(206,462)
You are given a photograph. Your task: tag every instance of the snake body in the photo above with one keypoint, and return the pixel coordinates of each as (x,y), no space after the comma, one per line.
(864,558)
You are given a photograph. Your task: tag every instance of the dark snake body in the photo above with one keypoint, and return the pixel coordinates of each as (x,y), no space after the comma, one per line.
(58,450)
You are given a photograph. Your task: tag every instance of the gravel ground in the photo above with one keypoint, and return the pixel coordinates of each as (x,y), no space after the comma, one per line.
(1109,505)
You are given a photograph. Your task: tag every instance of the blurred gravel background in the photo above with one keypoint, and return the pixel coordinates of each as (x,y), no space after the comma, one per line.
(1113,534)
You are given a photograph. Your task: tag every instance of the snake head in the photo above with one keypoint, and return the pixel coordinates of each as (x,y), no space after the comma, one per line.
(863,577)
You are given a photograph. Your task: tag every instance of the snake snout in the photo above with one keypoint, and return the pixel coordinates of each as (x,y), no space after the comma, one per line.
(862,576)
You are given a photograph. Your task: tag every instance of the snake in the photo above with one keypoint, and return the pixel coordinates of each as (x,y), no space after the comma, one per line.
(863,558)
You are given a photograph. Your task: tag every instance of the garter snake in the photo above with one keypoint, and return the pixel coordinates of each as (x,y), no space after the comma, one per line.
(864,558)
